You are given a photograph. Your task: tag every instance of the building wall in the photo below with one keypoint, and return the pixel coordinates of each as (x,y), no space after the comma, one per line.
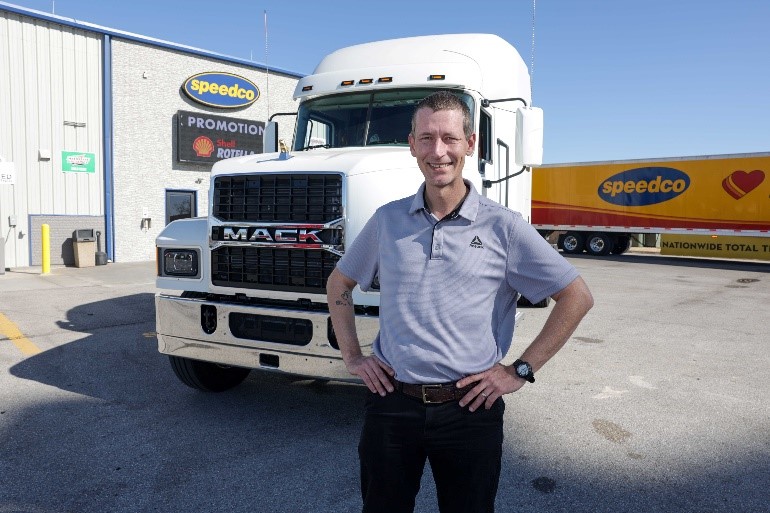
(50,101)
(147,83)
(60,230)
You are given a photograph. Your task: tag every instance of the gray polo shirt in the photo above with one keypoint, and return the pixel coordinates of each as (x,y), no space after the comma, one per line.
(448,288)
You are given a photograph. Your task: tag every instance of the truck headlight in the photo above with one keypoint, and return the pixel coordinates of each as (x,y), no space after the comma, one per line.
(180,262)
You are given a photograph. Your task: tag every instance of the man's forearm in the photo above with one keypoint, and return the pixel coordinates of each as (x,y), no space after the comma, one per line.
(339,294)
(572,303)
(373,372)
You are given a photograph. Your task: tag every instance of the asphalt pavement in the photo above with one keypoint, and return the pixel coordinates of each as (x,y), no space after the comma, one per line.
(659,403)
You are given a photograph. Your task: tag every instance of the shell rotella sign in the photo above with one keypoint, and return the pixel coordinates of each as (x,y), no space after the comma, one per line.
(221,90)
(206,138)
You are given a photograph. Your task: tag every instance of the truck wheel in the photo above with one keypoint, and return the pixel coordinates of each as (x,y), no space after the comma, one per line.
(622,244)
(599,244)
(207,376)
(571,242)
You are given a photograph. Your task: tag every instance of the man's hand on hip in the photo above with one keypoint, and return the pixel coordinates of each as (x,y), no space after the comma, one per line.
(373,372)
(490,386)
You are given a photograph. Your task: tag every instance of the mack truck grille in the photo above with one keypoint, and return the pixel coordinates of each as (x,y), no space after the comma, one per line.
(278,198)
(283,200)
(290,270)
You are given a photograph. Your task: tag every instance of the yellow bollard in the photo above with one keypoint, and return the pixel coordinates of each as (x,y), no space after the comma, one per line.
(46,241)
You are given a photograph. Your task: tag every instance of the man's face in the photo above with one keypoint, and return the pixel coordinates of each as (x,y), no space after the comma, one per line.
(440,146)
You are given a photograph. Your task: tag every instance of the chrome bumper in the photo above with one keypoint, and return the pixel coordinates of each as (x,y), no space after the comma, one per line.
(178,325)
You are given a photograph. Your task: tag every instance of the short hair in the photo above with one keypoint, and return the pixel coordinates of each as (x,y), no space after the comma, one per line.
(444,100)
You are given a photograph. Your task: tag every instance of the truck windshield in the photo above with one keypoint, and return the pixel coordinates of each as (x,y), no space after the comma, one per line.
(360,119)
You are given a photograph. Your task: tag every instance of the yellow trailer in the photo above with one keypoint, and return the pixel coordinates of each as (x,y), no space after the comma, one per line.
(599,205)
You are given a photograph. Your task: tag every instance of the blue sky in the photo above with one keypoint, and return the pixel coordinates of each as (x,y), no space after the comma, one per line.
(617,79)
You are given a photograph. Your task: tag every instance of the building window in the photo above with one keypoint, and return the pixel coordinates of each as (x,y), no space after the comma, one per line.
(180,205)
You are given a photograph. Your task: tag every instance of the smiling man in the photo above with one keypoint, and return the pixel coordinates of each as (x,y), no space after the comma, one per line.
(451,265)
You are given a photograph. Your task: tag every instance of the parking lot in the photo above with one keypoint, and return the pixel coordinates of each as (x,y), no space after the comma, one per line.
(660,402)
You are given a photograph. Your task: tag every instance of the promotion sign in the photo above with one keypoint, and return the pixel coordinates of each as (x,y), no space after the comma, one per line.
(222,90)
(207,138)
(78,162)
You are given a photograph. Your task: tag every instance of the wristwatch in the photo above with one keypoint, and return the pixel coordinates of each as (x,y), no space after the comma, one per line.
(524,370)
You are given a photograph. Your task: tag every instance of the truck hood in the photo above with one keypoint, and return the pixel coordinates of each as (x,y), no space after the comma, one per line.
(350,161)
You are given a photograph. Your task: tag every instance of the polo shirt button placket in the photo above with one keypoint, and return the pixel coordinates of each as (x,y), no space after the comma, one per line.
(438,239)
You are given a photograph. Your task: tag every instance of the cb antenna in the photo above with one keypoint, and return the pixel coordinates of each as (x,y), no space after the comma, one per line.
(267,71)
(532,55)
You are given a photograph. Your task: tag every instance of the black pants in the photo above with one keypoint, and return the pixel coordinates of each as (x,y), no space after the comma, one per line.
(464,450)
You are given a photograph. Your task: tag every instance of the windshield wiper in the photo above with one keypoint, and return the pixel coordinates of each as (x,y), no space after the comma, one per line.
(392,141)
(313,146)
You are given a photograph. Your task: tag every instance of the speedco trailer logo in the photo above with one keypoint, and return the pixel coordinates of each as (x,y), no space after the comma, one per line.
(644,186)
(276,235)
(223,90)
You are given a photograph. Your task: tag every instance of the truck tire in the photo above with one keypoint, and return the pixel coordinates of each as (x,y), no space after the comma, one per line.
(599,244)
(207,376)
(622,244)
(572,243)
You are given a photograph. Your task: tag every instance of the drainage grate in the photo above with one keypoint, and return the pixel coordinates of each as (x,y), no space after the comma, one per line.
(748,280)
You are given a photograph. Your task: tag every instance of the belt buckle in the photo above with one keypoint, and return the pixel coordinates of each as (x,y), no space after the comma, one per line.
(425,388)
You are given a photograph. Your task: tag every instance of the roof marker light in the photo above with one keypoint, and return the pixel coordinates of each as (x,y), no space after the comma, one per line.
(436,77)
(346,83)
(366,81)
(307,88)
(384,80)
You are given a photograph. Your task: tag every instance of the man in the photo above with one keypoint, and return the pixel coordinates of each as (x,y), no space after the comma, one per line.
(450,265)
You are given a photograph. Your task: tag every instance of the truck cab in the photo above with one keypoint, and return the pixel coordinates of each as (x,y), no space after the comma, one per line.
(244,288)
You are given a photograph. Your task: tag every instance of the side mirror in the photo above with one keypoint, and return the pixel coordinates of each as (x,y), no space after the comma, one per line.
(270,138)
(529,136)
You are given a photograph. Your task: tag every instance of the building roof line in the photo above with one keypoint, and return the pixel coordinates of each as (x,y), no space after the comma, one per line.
(91,27)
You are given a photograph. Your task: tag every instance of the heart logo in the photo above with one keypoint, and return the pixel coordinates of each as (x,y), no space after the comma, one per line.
(740,183)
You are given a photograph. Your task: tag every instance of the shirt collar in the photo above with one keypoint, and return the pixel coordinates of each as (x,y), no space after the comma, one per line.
(468,210)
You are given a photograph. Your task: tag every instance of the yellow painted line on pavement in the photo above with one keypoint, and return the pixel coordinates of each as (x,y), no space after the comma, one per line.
(12,333)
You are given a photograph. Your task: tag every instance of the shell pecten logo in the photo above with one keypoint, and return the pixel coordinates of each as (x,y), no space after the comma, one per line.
(223,90)
(203,146)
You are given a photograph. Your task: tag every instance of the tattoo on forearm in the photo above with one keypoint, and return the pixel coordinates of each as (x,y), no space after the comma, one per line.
(346,299)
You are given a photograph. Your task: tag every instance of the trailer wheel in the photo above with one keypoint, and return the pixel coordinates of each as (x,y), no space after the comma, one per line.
(207,376)
(571,243)
(599,244)
(622,244)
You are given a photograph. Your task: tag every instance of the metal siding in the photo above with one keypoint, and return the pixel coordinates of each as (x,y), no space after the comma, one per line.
(6,191)
(13,149)
(96,134)
(49,74)
(29,93)
(57,119)
(45,123)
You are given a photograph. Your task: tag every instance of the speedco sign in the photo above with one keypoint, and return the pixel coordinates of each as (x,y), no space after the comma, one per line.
(223,90)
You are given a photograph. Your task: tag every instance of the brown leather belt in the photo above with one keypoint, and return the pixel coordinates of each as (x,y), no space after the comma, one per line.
(434,394)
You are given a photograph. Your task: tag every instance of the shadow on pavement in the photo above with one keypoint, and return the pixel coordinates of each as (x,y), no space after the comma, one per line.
(123,435)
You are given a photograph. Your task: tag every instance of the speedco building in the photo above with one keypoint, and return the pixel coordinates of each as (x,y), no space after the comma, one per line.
(111,131)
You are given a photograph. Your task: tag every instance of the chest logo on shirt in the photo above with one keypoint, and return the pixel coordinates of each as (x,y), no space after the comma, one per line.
(476,243)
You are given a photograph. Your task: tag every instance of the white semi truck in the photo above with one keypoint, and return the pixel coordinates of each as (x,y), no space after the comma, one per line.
(244,287)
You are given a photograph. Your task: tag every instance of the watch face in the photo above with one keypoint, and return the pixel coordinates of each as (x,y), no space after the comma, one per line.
(522,370)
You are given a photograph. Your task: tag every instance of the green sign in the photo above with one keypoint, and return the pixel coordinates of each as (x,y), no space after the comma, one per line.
(78,162)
